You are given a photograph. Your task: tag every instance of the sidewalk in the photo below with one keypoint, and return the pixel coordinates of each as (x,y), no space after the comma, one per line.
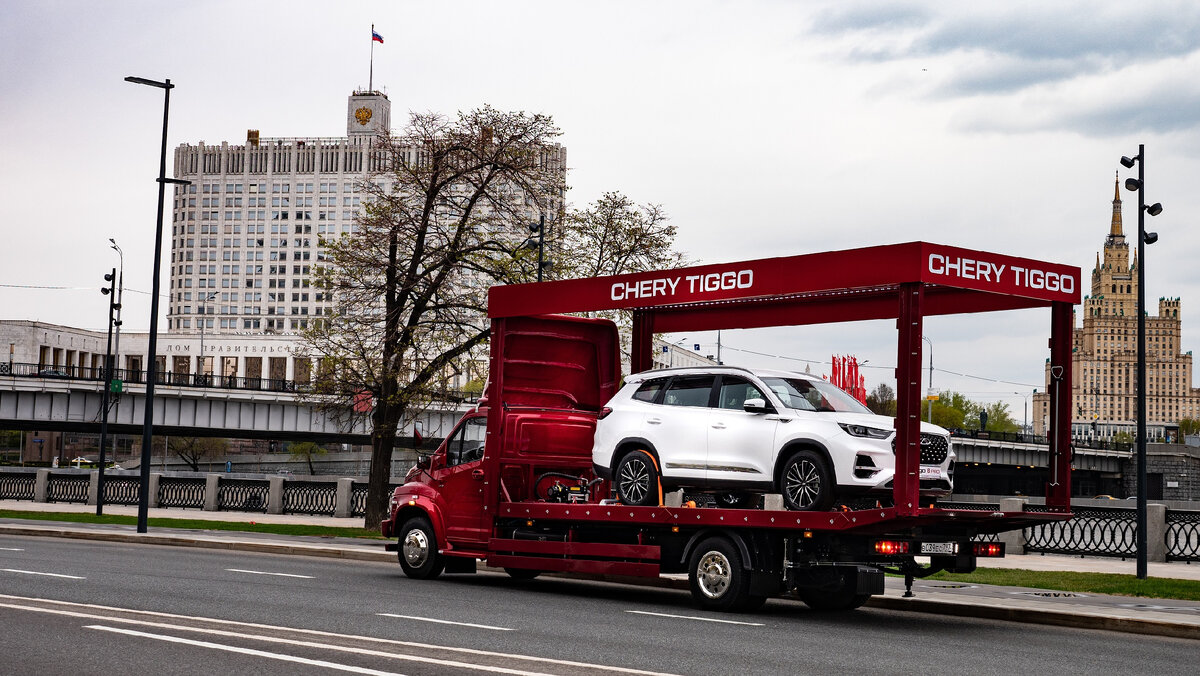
(1161,617)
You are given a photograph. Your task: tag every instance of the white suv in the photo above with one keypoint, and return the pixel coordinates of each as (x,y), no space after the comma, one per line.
(730,429)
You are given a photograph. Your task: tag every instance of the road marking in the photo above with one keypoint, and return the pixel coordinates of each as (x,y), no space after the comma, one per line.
(701,619)
(430,619)
(341,638)
(263,572)
(242,651)
(34,572)
(12,549)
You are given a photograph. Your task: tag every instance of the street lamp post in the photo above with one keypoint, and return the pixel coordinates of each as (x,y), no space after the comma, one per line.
(120,296)
(152,348)
(111,292)
(1144,238)
(202,378)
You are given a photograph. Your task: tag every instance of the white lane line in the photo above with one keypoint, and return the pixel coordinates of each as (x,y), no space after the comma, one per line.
(243,651)
(699,619)
(11,549)
(341,638)
(263,572)
(430,619)
(34,572)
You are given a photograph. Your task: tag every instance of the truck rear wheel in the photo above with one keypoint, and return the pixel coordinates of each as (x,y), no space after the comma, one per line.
(718,578)
(637,479)
(418,552)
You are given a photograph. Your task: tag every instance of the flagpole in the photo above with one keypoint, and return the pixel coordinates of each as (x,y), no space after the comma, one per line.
(371,76)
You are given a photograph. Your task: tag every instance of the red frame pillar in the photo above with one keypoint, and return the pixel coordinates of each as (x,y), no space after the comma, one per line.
(1058,485)
(906,483)
(642,342)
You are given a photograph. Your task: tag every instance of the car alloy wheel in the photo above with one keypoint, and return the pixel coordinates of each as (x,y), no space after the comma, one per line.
(637,479)
(806,483)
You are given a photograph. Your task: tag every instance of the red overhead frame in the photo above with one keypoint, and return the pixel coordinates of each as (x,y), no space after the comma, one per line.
(906,282)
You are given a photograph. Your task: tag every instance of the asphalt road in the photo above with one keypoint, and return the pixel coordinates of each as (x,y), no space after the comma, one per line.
(166,610)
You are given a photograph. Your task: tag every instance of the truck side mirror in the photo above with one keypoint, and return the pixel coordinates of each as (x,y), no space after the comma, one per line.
(424,460)
(756,406)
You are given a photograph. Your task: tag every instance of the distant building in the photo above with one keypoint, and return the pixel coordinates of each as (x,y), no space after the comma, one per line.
(1104,358)
(246,234)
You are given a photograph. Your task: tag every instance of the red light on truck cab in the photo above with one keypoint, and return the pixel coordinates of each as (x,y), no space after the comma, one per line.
(989,549)
(604,413)
(891,547)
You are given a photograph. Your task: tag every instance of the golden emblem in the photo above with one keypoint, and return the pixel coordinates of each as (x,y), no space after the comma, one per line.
(363,115)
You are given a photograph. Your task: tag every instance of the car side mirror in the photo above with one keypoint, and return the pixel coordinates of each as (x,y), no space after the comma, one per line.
(756,406)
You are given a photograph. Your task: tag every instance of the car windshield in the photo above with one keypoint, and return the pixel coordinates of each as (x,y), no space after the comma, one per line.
(813,395)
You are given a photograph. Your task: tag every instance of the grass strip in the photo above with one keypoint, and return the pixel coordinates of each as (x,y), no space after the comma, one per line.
(1115,584)
(198,524)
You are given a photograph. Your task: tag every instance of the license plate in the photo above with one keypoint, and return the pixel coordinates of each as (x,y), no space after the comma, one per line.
(930,472)
(938,547)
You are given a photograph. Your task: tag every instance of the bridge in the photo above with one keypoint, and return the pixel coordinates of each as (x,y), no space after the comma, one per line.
(188,406)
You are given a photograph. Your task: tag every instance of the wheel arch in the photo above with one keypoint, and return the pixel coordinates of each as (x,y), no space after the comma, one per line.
(630,444)
(428,511)
(733,536)
(801,445)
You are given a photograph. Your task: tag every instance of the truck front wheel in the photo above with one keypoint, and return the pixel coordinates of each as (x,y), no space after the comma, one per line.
(419,556)
(718,578)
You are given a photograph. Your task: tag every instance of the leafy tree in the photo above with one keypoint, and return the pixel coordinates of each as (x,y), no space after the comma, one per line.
(882,400)
(306,450)
(956,410)
(194,450)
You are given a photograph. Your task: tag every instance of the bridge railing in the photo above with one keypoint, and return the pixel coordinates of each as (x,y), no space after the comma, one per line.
(1017,437)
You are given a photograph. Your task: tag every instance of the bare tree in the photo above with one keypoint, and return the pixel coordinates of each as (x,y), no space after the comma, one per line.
(449,202)
(194,450)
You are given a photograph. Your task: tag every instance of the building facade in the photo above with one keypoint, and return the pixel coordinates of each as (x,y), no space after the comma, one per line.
(1104,354)
(246,234)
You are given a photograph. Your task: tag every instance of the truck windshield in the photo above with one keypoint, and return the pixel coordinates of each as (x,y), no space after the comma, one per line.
(813,395)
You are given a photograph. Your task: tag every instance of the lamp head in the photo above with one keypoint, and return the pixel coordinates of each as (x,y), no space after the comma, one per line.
(1150,238)
(1132,184)
(1154,209)
(1127,162)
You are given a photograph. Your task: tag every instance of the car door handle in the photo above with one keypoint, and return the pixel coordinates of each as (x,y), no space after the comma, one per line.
(718,426)
(654,421)
(477,474)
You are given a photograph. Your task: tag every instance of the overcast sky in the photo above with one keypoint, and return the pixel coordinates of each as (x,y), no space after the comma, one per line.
(763,128)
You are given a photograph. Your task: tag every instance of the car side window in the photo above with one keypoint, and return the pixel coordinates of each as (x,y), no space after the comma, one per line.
(735,391)
(689,391)
(648,391)
(466,444)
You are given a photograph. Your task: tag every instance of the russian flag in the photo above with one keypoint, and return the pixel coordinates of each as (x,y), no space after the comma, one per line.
(376,37)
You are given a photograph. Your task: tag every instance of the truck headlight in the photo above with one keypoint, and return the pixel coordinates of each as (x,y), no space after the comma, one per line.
(864,431)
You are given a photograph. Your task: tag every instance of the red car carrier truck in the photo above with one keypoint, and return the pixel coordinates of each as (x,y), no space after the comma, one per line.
(513,484)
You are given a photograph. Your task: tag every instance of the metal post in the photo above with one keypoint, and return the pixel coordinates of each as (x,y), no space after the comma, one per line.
(930,392)
(152,348)
(1141,366)
(111,292)
(541,242)
(120,297)
(905,485)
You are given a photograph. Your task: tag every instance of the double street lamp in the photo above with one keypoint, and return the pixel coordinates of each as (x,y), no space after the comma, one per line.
(152,348)
(1138,185)
(113,306)
(202,377)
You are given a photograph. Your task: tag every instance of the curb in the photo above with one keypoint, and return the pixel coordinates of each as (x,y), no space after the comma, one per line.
(955,609)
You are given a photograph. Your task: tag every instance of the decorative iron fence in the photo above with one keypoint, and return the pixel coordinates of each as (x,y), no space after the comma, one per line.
(1183,536)
(1093,531)
(243,495)
(309,497)
(17,486)
(970,506)
(181,492)
(121,490)
(358,498)
(68,488)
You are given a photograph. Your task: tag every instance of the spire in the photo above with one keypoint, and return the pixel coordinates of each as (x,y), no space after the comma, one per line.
(1115,229)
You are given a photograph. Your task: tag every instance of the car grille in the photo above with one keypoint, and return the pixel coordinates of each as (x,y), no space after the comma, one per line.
(934,449)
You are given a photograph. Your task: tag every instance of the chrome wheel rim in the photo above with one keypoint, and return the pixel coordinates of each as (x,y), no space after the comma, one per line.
(802,483)
(634,480)
(416,548)
(713,574)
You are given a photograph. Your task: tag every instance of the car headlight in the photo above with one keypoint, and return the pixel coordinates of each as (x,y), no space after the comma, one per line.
(864,431)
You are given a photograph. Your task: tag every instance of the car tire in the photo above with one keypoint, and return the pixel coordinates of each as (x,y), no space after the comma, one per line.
(718,579)
(636,479)
(806,482)
(418,551)
(522,574)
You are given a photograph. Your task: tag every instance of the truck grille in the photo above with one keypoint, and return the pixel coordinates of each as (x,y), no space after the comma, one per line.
(934,449)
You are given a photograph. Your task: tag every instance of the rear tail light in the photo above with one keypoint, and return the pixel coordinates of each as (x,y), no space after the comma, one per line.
(891,547)
(987,549)
(604,413)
